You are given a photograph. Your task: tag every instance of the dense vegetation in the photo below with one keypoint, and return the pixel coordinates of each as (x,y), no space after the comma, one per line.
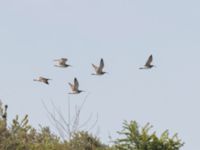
(22,136)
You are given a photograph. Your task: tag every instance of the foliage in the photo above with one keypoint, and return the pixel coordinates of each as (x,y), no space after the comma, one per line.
(22,136)
(85,141)
(140,139)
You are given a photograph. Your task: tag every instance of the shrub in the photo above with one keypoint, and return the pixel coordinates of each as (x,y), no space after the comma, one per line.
(136,138)
(22,136)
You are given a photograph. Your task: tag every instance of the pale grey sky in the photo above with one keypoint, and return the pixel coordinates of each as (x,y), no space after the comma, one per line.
(124,33)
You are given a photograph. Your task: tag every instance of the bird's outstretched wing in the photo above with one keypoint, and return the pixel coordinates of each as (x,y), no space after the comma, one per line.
(40,78)
(64,59)
(149,61)
(95,67)
(101,64)
(71,86)
(76,84)
(46,81)
(61,61)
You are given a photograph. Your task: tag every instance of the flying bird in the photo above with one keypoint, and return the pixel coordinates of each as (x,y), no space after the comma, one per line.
(99,69)
(148,64)
(75,87)
(42,79)
(61,63)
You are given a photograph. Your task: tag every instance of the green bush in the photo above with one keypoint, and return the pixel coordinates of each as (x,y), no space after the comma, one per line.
(22,136)
(135,138)
(85,141)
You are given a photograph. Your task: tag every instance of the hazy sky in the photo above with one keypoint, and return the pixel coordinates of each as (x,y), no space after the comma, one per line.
(124,33)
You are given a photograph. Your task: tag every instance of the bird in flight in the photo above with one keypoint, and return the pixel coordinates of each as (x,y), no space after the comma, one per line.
(75,87)
(148,64)
(42,79)
(99,69)
(61,63)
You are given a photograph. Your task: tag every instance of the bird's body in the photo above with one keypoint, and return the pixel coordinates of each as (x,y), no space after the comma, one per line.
(99,69)
(61,63)
(148,64)
(75,87)
(42,79)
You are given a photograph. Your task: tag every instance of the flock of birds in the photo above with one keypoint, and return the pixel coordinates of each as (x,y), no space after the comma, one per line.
(62,63)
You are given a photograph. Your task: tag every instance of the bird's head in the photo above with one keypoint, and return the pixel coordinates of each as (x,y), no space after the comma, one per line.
(68,65)
(104,72)
(76,92)
(80,91)
(152,66)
